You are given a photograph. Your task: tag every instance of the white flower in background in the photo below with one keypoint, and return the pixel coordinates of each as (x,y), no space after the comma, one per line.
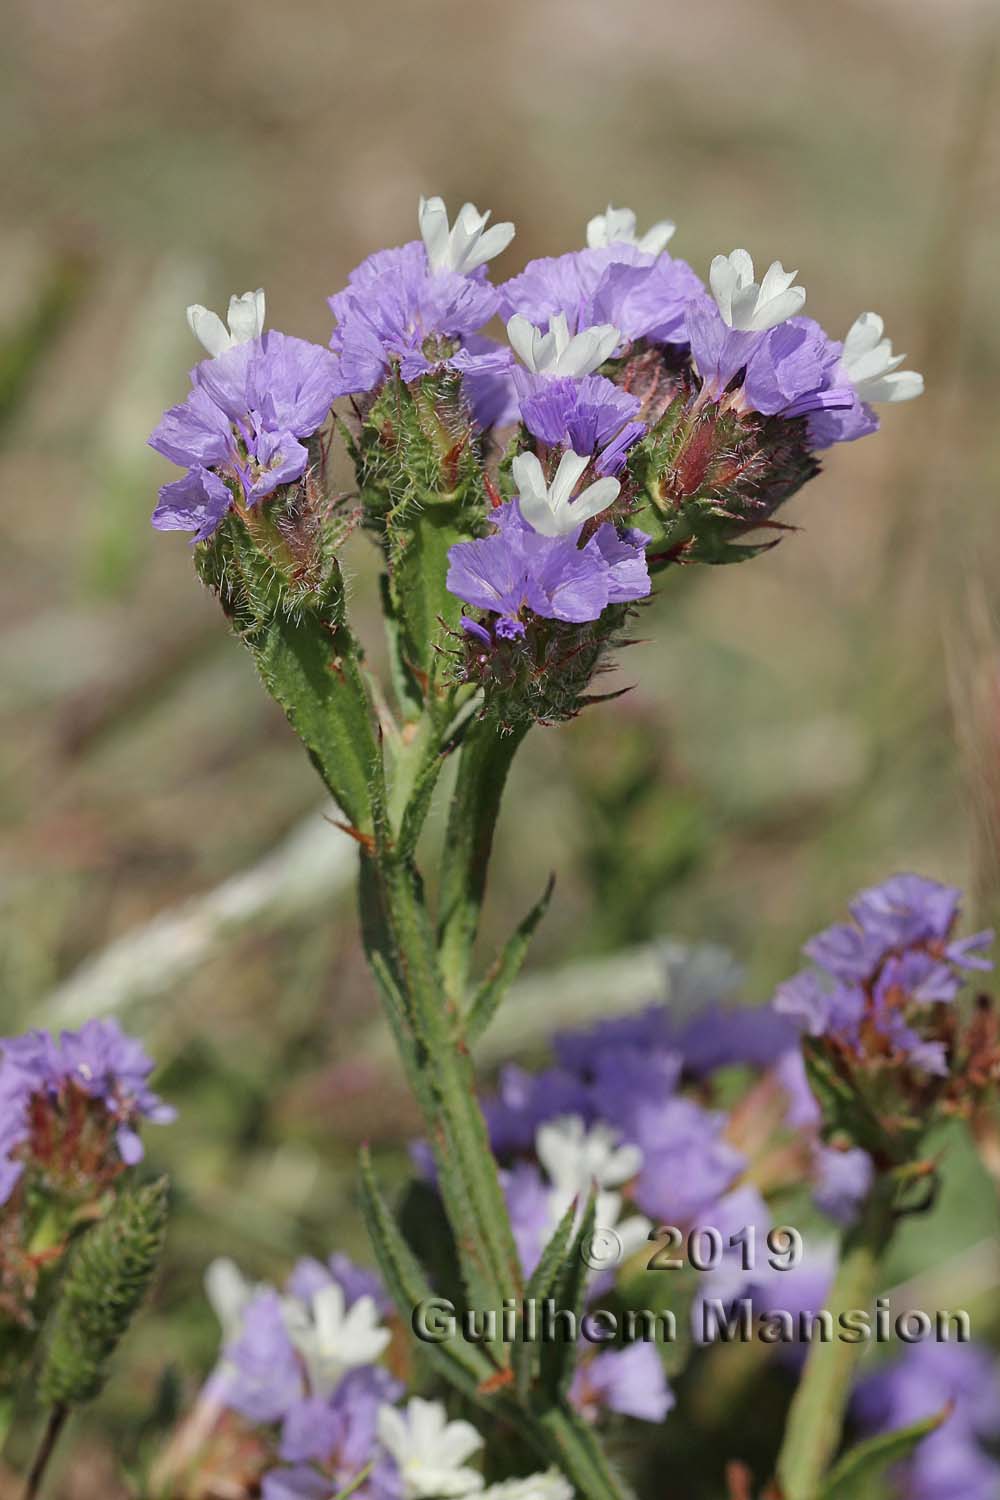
(576,1160)
(617,227)
(464,246)
(871,366)
(430,1451)
(547,1486)
(748,305)
(331,1338)
(555,352)
(229,1293)
(246,322)
(575,1157)
(549,508)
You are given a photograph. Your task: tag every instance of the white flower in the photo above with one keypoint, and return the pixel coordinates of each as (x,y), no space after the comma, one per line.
(555,352)
(747,305)
(229,1293)
(548,1486)
(548,508)
(617,227)
(331,1338)
(246,322)
(872,367)
(429,1450)
(575,1157)
(467,244)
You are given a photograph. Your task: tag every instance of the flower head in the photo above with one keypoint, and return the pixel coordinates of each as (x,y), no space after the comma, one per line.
(618,227)
(69,1109)
(332,1338)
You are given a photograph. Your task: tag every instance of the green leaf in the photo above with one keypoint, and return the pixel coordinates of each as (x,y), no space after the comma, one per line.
(868,1460)
(505,968)
(558,1358)
(312,671)
(463,1364)
(550,1269)
(107,1279)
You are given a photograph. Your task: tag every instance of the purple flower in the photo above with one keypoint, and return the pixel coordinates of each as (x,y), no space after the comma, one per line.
(630,1381)
(516,569)
(949,1464)
(895,957)
(395,307)
(687,1164)
(262,1373)
(589,416)
(529,1204)
(642,295)
(785,371)
(526,1100)
(842,1183)
(100,1061)
(245,416)
(339,1431)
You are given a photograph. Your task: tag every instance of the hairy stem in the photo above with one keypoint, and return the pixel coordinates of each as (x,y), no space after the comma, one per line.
(816,1416)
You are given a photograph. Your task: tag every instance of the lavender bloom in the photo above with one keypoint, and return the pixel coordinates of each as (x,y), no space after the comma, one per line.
(896,956)
(588,416)
(245,416)
(629,1381)
(526,1100)
(784,371)
(339,1431)
(261,1373)
(687,1164)
(641,294)
(843,1181)
(99,1061)
(950,1464)
(395,307)
(516,569)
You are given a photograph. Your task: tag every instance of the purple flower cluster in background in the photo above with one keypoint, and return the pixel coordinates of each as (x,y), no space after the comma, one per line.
(303,1364)
(99,1077)
(877,979)
(951,1463)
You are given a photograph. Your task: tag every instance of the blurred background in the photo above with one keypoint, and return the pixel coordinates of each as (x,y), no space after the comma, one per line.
(797,727)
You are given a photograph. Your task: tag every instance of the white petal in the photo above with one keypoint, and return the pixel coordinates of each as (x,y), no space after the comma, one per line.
(775,281)
(491,243)
(328,1315)
(899,385)
(228,1292)
(590,502)
(724,283)
(246,316)
(863,335)
(571,467)
(778,309)
(433,219)
(209,329)
(393,1432)
(523,336)
(529,481)
(656,239)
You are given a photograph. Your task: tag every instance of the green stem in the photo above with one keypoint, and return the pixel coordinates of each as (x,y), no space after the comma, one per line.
(482,774)
(816,1416)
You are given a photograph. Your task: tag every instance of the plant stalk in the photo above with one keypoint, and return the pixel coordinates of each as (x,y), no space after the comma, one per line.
(53,1427)
(816,1416)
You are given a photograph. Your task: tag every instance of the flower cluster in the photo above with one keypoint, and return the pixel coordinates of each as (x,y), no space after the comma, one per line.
(646,419)
(960,1382)
(69,1108)
(880,978)
(301,1367)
